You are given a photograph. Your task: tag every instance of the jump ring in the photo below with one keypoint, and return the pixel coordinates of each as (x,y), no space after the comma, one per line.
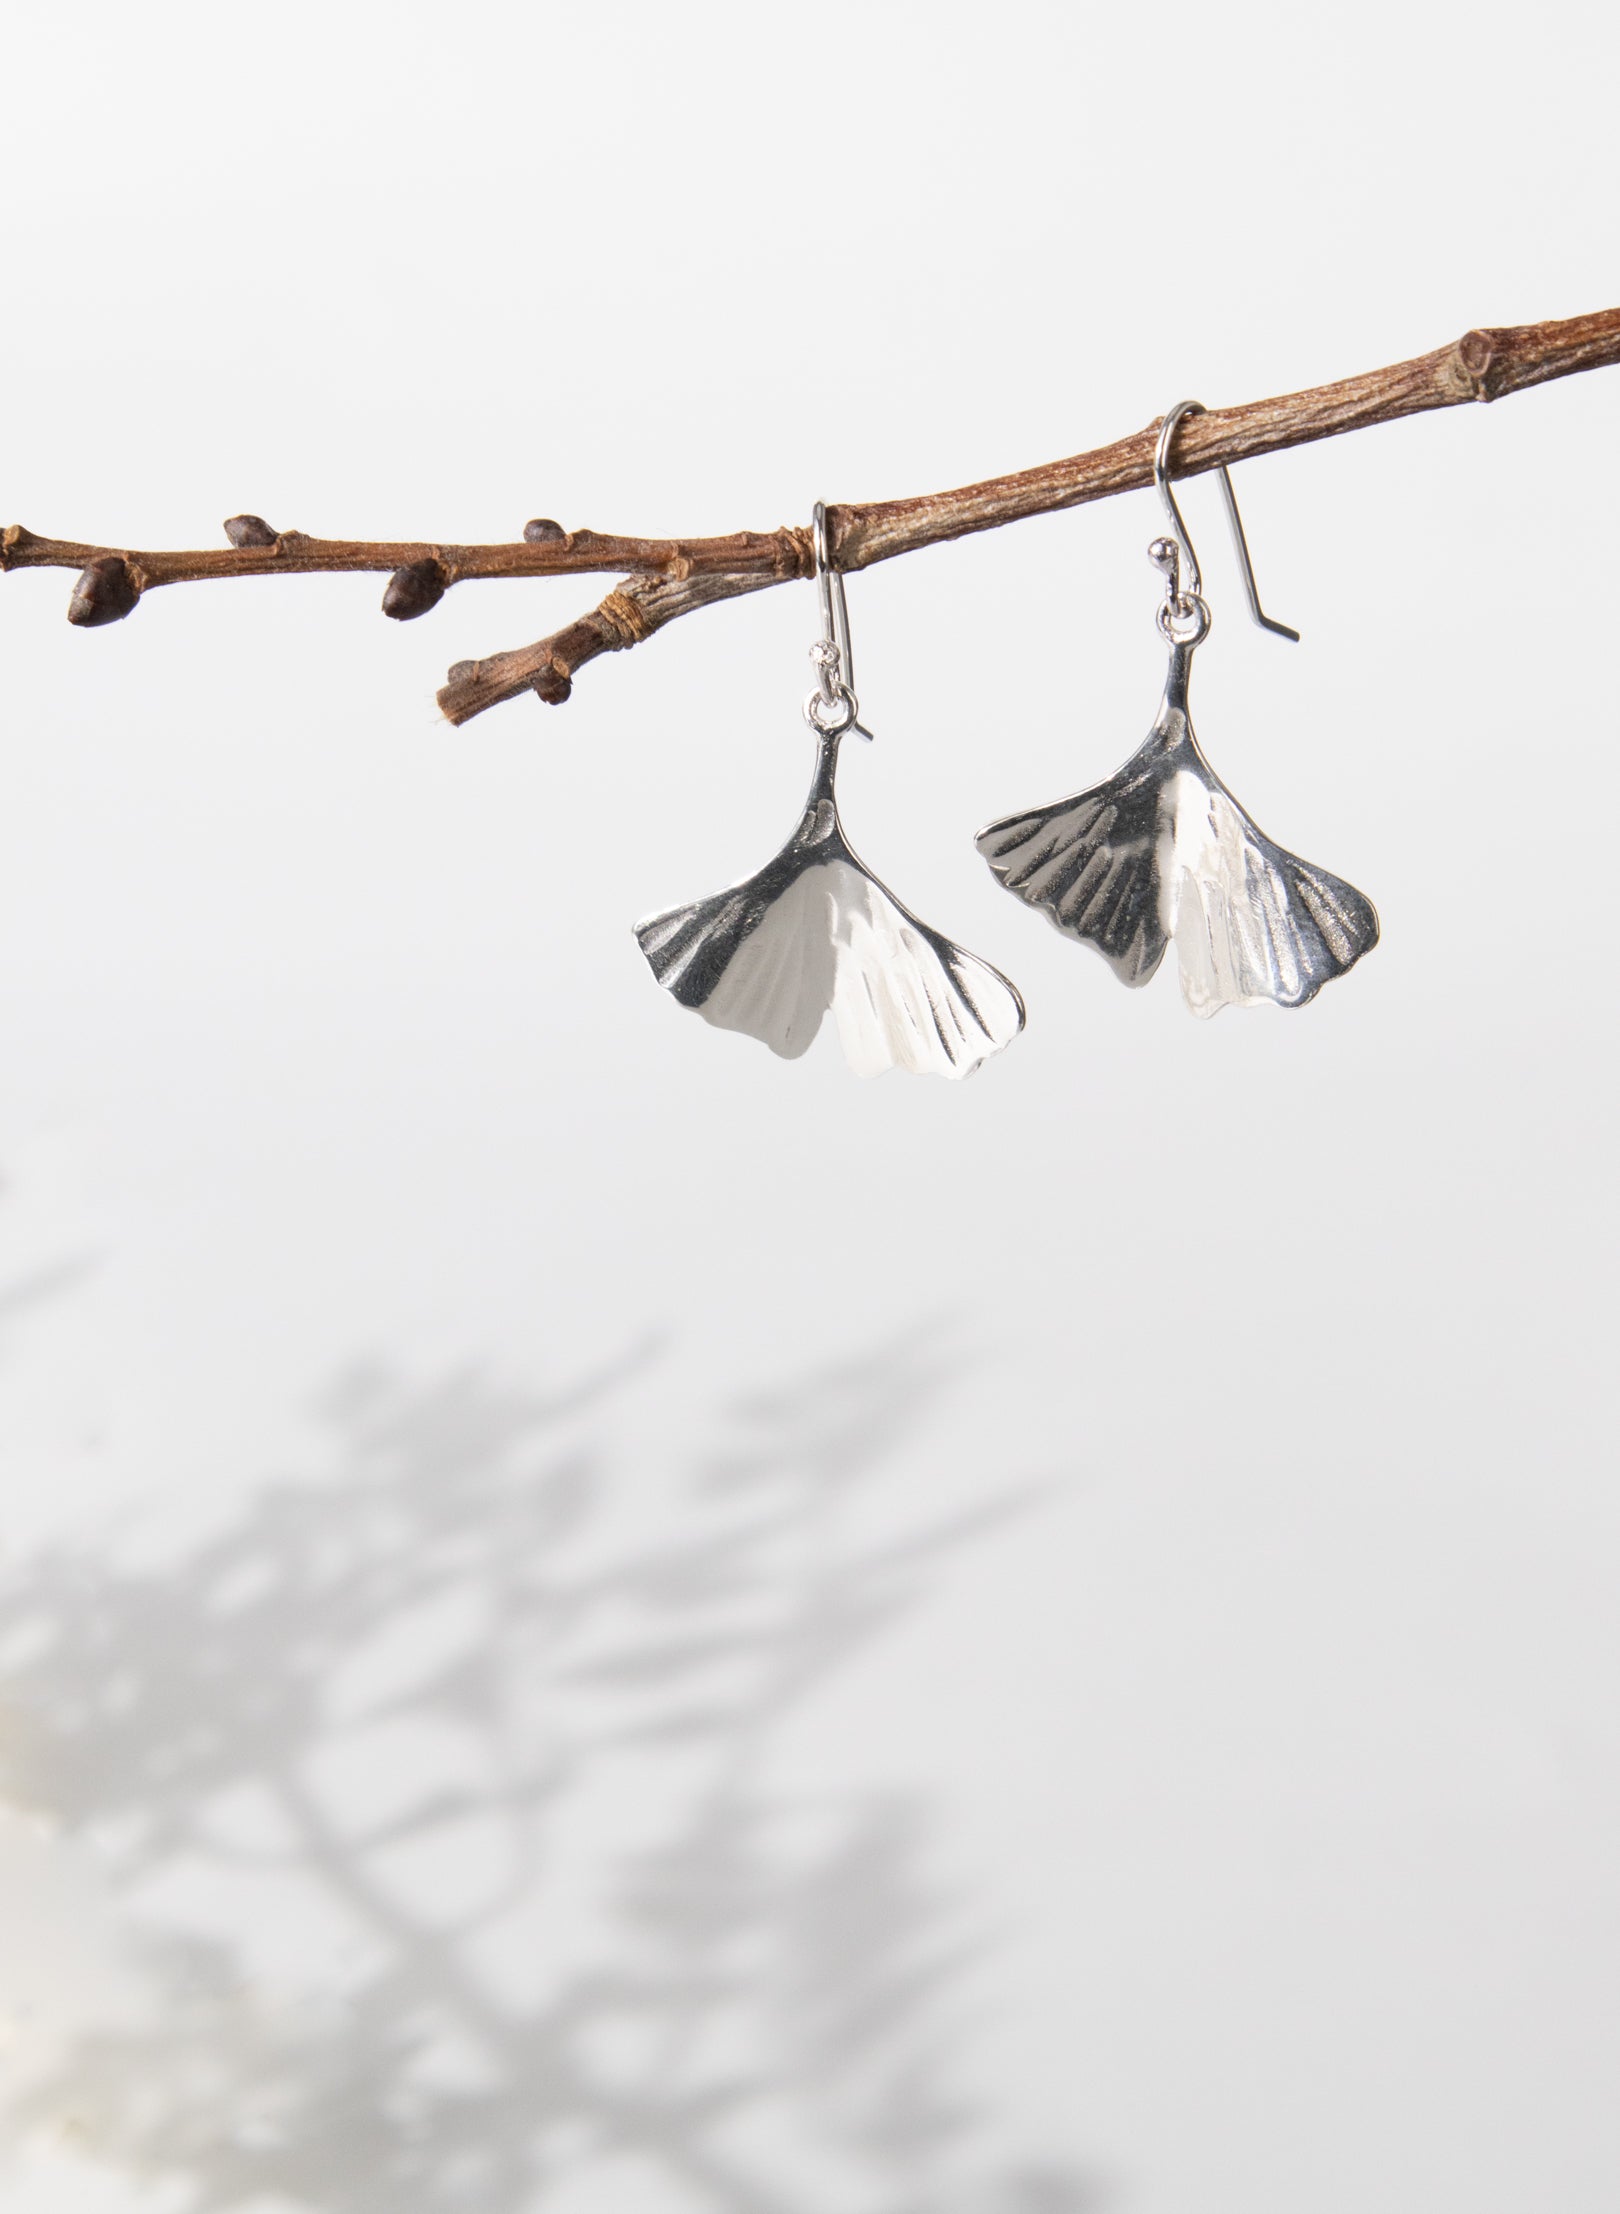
(1186,607)
(820,714)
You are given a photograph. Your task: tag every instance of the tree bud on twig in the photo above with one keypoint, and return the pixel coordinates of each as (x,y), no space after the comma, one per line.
(105,592)
(553,684)
(666,578)
(414,589)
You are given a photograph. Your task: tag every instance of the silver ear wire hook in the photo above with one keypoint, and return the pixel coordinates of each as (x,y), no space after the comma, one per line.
(1163,556)
(832,707)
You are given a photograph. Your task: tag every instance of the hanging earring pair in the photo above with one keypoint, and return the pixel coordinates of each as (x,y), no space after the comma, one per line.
(1162,853)
(1159,854)
(815,932)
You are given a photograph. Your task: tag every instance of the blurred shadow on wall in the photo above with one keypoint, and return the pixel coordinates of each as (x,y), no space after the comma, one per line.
(399,1704)
(24,1294)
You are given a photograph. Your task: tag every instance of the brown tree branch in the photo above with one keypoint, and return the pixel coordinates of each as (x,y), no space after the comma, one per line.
(632,611)
(674,577)
(259,551)
(1483,365)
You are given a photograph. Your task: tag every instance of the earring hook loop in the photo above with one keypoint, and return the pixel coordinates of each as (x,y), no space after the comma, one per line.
(832,707)
(1194,586)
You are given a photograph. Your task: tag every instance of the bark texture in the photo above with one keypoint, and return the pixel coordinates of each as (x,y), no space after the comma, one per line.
(666,578)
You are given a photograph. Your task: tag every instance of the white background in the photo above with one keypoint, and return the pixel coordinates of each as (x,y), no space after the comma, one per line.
(597,1621)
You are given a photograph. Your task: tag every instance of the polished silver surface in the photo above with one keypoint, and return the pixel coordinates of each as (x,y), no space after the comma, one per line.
(832,707)
(1194,586)
(1162,852)
(815,932)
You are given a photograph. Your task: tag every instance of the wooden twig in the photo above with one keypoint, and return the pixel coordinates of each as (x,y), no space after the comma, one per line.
(259,551)
(674,577)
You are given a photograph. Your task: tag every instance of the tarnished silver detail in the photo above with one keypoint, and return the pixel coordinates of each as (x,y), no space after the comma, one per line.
(816,932)
(1162,852)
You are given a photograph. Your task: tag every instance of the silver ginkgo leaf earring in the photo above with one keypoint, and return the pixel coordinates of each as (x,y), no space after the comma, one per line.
(815,930)
(1162,852)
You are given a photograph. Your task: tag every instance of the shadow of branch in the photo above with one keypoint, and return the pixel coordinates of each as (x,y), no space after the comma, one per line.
(391,1727)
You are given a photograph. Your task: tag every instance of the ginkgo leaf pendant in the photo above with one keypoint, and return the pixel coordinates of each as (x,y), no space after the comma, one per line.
(814,931)
(1163,853)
